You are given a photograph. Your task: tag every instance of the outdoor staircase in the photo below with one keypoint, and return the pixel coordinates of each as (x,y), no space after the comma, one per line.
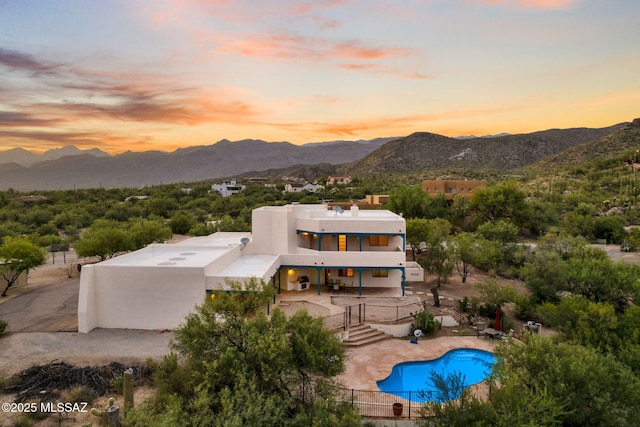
(362,334)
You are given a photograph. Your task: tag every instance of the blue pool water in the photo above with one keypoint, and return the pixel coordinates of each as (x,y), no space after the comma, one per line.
(415,377)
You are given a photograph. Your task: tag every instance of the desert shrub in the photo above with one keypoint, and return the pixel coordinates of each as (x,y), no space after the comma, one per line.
(525,308)
(118,384)
(424,321)
(24,420)
(78,394)
(3,326)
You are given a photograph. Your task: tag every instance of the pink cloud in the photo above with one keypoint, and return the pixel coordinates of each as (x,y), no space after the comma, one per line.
(533,4)
(416,76)
(358,67)
(307,48)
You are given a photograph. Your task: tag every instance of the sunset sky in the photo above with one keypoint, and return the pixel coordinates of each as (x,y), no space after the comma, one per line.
(162,74)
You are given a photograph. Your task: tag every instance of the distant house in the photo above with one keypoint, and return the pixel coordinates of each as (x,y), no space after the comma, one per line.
(228,188)
(130,198)
(451,188)
(298,187)
(376,199)
(338,180)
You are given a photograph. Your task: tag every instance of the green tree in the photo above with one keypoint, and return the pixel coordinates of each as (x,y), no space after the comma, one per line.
(602,280)
(501,231)
(439,259)
(580,221)
(545,274)
(502,201)
(145,231)
(592,389)
(16,257)
(181,223)
(104,239)
(239,367)
(409,201)
(467,250)
(417,230)
(160,206)
(609,228)
(563,244)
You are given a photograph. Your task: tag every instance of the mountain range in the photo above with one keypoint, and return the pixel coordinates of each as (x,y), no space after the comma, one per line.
(26,158)
(70,167)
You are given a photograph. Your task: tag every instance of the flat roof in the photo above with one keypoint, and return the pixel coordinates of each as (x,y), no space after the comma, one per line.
(250,266)
(196,252)
(217,239)
(326,212)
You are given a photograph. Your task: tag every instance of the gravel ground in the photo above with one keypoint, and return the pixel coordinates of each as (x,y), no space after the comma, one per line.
(22,350)
(37,327)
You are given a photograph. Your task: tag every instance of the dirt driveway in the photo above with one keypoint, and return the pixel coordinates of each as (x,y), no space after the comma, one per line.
(53,308)
(43,324)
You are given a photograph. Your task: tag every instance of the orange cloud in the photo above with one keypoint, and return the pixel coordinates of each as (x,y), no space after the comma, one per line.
(386,125)
(45,140)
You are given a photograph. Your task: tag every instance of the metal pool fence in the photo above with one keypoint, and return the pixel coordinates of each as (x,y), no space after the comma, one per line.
(374,313)
(376,404)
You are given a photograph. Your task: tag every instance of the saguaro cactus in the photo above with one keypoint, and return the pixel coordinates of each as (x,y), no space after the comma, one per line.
(127,389)
(109,416)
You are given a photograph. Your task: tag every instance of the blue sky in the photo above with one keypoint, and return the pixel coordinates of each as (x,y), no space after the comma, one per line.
(162,74)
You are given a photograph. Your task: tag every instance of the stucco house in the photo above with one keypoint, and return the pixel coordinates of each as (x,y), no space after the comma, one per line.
(306,248)
(299,187)
(450,188)
(228,188)
(338,180)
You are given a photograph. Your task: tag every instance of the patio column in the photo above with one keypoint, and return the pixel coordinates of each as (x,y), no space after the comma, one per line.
(280,280)
(319,285)
(273,280)
(403,277)
(360,281)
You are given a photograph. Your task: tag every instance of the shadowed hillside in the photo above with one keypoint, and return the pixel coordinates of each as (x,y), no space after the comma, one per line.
(422,151)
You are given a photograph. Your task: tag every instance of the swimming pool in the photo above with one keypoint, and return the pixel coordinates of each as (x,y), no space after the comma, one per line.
(473,365)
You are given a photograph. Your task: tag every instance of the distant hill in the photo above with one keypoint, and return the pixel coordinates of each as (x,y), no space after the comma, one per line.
(623,139)
(424,151)
(26,158)
(81,169)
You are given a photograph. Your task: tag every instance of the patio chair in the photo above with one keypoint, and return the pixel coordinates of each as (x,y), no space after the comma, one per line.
(480,326)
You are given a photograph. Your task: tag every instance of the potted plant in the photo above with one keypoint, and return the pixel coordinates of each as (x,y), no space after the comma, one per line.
(397,409)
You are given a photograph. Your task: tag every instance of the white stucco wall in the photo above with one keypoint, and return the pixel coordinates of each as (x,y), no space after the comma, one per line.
(414,272)
(398,331)
(127,297)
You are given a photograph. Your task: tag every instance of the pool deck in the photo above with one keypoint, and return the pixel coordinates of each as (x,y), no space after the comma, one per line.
(368,364)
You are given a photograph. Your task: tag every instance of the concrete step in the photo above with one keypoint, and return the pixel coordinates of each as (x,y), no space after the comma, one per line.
(360,335)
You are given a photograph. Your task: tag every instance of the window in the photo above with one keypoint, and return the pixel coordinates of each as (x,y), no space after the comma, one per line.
(345,272)
(378,240)
(380,272)
(342,242)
